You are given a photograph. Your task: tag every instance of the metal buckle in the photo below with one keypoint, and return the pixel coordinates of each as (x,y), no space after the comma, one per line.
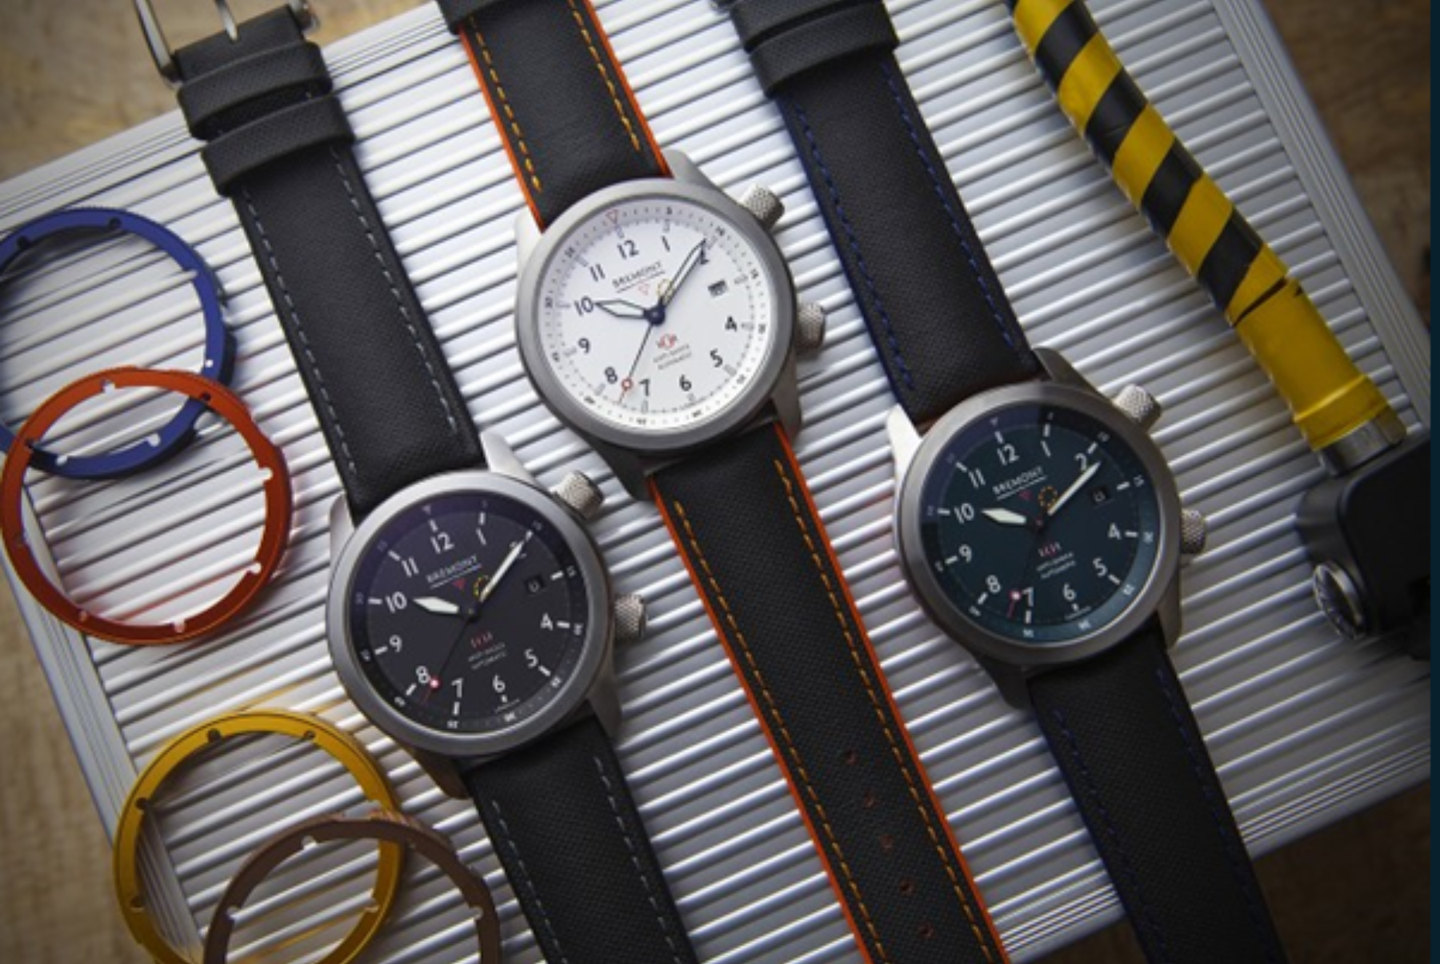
(160,48)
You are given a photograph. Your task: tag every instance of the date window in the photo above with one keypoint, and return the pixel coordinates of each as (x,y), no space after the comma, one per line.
(718,289)
(1099,495)
(534,584)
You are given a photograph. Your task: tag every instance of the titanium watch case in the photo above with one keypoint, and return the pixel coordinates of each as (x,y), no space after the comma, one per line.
(590,689)
(632,454)
(1011,662)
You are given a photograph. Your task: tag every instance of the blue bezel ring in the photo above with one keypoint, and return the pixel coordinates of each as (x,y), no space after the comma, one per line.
(219,345)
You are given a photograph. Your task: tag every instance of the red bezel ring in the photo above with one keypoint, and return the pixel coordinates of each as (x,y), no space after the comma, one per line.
(215,397)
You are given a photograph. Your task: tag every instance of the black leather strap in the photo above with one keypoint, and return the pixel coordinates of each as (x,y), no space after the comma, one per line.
(936,310)
(279,147)
(559,98)
(756,549)
(1132,753)
(592,895)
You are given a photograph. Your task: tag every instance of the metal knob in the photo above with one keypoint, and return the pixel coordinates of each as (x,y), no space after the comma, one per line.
(809,328)
(582,496)
(1339,599)
(630,618)
(1194,530)
(765,204)
(1139,406)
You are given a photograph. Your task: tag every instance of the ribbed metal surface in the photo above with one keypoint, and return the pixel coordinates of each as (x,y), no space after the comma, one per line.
(1304,727)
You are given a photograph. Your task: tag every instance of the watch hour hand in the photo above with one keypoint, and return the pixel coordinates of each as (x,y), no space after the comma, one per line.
(1005,517)
(441,606)
(621,308)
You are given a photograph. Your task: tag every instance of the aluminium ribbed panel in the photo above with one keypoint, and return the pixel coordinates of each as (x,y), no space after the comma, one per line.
(1305,728)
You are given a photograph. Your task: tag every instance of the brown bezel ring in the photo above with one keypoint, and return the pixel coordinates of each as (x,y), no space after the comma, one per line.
(380,825)
(218,399)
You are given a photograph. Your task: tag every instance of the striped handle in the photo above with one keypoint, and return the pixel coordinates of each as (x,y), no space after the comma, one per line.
(1329,397)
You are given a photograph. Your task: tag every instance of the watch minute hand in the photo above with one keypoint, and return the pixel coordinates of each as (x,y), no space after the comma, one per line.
(691,260)
(1075,486)
(504,568)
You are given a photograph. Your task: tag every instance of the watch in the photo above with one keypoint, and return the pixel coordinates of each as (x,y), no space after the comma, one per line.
(470,616)
(657,318)
(1036,521)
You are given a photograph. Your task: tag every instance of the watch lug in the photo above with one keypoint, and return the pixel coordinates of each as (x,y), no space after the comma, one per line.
(629,469)
(604,701)
(904,441)
(500,458)
(341,526)
(1168,612)
(1060,370)
(527,236)
(685,170)
(444,770)
(786,400)
(1010,680)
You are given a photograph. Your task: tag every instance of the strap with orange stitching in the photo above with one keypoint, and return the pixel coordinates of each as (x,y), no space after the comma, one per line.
(565,112)
(755,547)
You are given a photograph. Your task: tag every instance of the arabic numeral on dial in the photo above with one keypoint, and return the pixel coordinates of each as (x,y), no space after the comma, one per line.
(628,250)
(584,345)
(965,512)
(531,660)
(396,601)
(459,684)
(597,273)
(410,567)
(730,325)
(441,542)
(1068,593)
(396,643)
(584,306)
(611,376)
(1115,532)
(715,358)
(645,385)
(1007,454)
(422,676)
(992,583)
(498,684)
(685,384)
(967,554)
(1101,569)
(977,478)
(1082,461)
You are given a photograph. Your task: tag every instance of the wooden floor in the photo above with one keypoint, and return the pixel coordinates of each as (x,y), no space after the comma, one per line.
(74,72)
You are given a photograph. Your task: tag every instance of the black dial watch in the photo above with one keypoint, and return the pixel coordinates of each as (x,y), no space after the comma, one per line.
(470,616)
(1036,520)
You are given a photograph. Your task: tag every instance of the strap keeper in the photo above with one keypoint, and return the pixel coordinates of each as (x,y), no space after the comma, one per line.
(208,98)
(456,12)
(275,137)
(787,38)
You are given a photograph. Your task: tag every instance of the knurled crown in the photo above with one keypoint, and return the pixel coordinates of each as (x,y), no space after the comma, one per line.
(1194,530)
(765,204)
(1339,599)
(630,618)
(580,494)
(809,328)
(1139,406)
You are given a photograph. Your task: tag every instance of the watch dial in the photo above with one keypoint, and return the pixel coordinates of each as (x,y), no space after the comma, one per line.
(656,314)
(467,613)
(1039,524)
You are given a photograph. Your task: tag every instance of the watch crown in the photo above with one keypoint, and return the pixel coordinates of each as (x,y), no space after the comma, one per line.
(1139,406)
(765,204)
(630,618)
(581,495)
(1339,599)
(1194,530)
(809,327)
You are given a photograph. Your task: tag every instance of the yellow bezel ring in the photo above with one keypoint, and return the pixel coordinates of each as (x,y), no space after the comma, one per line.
(347,750)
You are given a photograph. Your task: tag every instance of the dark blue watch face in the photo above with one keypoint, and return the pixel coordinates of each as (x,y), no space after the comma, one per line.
(468,613)
(1039,524)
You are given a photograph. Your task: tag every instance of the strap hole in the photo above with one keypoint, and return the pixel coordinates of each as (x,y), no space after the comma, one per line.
(851,758)
(213,736)
(869,800)
(887,842)
(907,886)
(137,902)
(927,931)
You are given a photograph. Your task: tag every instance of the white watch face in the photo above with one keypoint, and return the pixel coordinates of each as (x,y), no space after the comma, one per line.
(656,314)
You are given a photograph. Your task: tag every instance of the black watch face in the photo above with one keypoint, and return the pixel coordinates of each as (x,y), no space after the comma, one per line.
(1039,524)
(467,613)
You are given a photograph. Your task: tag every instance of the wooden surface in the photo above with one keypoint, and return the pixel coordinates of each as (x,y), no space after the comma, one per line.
(74,72)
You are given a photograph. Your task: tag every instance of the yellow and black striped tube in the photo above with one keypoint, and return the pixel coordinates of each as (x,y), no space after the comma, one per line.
(1328,396)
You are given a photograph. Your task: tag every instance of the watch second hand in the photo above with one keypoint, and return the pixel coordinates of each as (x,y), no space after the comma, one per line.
(629,381)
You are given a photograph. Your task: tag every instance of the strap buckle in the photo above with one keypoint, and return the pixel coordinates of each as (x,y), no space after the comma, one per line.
(160,50)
